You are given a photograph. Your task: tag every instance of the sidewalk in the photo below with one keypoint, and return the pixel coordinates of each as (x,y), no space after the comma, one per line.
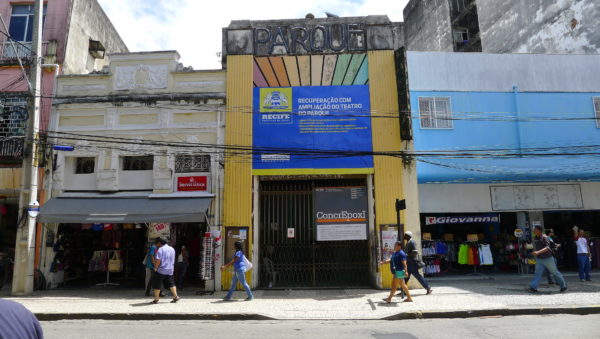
(501,295)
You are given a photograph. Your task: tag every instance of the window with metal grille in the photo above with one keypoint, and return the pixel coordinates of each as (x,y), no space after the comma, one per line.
(14,115)
(435,113)
(192,163)
(138,163)
(597,110)
(85,165)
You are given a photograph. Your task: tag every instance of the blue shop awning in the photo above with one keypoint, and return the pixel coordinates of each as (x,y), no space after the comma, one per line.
(71,208)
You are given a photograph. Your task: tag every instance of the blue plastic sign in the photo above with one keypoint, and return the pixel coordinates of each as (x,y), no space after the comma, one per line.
(317,127)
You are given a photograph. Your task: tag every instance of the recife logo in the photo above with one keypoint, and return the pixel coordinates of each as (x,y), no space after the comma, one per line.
(276,105)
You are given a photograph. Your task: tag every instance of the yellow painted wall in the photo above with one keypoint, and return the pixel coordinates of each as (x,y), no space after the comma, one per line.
(10,179)
(237,196)
(181,118)
(387,179)
(89,120)
(138,119)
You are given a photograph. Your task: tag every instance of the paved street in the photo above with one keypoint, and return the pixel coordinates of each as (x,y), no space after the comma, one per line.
(559,326)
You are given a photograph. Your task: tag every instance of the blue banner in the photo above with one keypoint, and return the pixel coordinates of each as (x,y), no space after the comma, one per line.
(318,127)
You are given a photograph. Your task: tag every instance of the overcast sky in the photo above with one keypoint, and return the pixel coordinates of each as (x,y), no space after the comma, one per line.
(193,27)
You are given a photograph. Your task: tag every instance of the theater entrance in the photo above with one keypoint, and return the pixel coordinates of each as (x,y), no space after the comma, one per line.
(314,233)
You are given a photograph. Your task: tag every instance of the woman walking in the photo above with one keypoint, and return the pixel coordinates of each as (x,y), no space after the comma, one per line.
(239,268)
(398,268)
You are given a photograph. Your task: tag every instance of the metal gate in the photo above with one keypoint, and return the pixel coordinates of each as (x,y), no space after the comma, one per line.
(301,261)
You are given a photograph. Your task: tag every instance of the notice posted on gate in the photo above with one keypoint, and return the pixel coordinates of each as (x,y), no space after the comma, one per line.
(312,127)
(341,213)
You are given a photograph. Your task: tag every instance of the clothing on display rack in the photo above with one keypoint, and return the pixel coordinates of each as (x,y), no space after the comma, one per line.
(207,263)
(431,248)
(99,261)
(485,255)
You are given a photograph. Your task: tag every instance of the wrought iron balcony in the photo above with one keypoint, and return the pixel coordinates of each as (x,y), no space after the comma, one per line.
(23,50)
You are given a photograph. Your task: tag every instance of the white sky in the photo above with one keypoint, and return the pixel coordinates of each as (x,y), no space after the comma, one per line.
(193,27)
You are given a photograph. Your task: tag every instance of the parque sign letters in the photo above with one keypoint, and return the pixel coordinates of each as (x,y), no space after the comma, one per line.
(334,38)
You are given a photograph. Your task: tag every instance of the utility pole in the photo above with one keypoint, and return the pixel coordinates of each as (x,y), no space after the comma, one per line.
(25,244)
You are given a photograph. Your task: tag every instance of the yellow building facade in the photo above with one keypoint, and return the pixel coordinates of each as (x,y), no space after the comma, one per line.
(314,153)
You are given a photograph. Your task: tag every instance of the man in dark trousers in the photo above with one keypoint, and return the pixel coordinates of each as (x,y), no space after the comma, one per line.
(18,322)
(544,260)
(412,262)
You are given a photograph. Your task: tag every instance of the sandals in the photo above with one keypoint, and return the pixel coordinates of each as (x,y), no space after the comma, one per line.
(154,302)
(387,301)
(175,300)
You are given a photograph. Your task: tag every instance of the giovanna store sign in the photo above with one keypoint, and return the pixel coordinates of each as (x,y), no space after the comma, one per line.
(464,219)
(192,183)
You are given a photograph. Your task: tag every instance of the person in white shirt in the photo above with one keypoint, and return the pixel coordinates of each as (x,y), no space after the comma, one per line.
(584,254)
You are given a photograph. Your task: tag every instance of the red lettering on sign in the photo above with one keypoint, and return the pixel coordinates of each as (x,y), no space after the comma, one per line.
(193,183)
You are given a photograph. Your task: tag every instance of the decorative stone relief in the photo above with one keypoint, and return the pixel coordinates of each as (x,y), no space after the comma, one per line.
(142,77)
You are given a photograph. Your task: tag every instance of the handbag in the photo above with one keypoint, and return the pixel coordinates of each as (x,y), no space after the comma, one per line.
(248,264)
(115,264)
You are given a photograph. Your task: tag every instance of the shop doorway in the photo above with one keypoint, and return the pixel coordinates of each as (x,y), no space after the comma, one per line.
(290,253)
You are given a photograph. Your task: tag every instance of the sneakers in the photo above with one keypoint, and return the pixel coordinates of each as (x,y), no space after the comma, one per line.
(532,290)
(563,289)
(582,280)
(249,299)
(588,280)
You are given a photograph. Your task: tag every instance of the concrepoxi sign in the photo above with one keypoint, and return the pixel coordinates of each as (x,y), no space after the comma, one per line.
(463,219)
(341,213)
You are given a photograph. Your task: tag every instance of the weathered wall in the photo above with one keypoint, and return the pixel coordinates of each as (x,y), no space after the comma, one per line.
(539,26)
(427,26)
(88,21)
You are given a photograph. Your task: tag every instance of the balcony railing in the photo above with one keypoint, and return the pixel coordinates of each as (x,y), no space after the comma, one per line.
(23,50)
(11,149)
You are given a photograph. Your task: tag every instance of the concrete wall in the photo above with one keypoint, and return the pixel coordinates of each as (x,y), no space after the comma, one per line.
(478,72)
(427,26)
(476,198)
(136,80)
(88,21)
(540,26)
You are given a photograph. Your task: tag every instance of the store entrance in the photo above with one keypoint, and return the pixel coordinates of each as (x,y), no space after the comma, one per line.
(291,255)
(470,244)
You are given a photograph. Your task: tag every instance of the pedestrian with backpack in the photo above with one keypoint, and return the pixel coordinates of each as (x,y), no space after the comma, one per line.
(240,266)
(544,260)
(554,247)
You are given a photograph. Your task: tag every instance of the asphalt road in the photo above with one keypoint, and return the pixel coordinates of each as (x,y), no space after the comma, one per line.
(555,326)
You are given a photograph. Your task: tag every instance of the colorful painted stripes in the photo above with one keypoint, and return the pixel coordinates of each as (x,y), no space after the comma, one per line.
(311,70)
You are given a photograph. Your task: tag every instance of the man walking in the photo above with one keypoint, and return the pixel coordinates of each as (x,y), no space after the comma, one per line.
(412,262)
(584,255)
(550,234)
(544,260)
(164,263)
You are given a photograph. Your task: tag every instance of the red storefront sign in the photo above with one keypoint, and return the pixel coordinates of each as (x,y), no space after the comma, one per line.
(193,183)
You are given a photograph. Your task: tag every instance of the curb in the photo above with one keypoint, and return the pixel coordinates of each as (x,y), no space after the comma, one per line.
(457,314)
(146,316)
(575,310)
